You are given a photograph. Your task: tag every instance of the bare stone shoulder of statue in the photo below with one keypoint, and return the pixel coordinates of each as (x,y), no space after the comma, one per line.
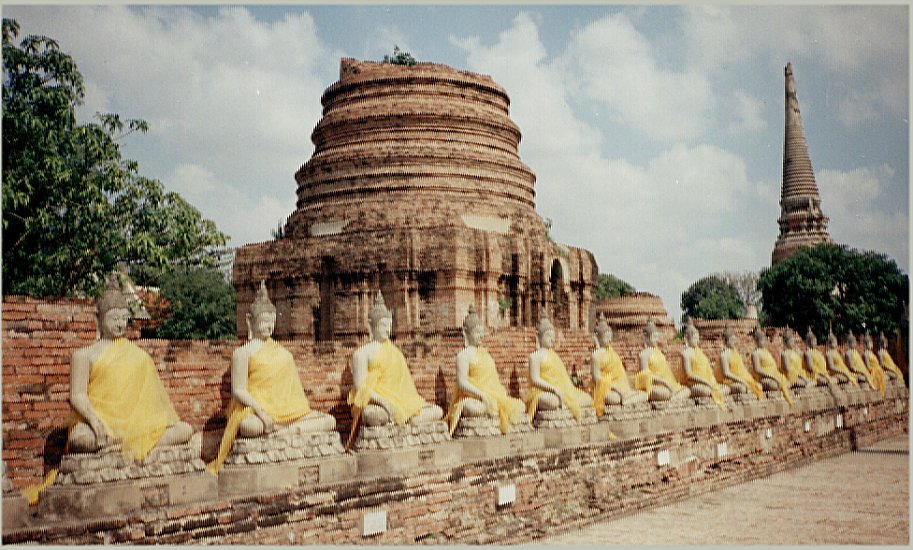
(381,409)
(89,433)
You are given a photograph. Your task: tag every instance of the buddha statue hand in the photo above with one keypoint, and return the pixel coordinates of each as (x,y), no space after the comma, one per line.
(269,425)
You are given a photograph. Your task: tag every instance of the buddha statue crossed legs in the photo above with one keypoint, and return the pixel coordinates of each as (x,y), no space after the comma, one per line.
(266,389)
(384,392)
(655,377)
(610,381)
(765,367)
(480,393)
(699,373)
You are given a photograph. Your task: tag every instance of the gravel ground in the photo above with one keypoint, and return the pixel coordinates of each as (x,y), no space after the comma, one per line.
(856,498)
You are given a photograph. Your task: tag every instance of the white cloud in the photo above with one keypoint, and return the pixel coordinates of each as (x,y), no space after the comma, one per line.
(747,113)
(610,62)
(862,216)
(225,93)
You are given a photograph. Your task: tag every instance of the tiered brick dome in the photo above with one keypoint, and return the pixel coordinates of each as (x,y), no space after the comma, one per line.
(630,313)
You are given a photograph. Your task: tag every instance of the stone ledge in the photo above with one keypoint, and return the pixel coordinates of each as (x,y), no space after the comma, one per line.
(374,463)
(15,511)
(246,480)
(478,448)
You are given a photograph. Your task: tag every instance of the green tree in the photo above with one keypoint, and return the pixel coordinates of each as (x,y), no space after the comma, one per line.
(73,208)
(201,305)
(835,287)
(610,286)
(399,57)
(712,298)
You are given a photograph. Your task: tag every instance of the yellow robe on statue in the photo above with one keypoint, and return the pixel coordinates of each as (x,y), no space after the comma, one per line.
(857,364)
(793,367)
(389,377)
(484,376)
(888,363)
(738,370)
(840,366)
(701,369)
(818,368)
(274,383)
(553,371)
(769,368)
(876,370)
(656,366)
(612,377)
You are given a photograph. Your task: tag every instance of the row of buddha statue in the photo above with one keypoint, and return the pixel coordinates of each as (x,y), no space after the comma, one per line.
(120,404)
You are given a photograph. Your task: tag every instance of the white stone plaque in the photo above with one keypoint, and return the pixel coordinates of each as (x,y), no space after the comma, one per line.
(507,494)
(839,421)
(662,458)
(374,523)
(722,449)
(808,426)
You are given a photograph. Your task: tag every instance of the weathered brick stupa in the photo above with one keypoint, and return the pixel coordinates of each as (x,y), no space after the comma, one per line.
(416,188)
(801,221)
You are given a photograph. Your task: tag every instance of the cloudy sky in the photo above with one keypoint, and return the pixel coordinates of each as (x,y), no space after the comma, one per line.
(656,133)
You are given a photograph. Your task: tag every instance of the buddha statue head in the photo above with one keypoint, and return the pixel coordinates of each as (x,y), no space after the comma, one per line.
(831,341)
(882,341)
(113,310)
(261,317)
(603,332)
(651,334)
(867,342)
(729,338)
(380,320)
(692,336)
(473,328)
(760,337)
(789,339)
(810,339)
(545,333)
(850,339)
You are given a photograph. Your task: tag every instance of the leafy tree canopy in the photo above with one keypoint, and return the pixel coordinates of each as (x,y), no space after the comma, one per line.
(73,208)
(712,298)
(610,286)
(399,57)
(201,305)
(835,287)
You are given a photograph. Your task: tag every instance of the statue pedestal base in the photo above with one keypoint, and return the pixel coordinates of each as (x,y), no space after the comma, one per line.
(479,448)
(373,463)
(15,511)
(283,445)
(486,426)
(393,436)
(237,480)
(114,499)
(560,438)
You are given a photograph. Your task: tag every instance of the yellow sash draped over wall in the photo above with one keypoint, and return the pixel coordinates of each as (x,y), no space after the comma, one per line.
(656,366)
(858,365)
(738,370)
(876,370)
(888,363)
(274,383)
(612,377)
(840,366)
(769,368)
(389,377)
(484,376)
(701,369)
(793,366)
(818,367)
(553,371)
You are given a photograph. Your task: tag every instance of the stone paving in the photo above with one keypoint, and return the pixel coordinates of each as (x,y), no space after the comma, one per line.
(856,498)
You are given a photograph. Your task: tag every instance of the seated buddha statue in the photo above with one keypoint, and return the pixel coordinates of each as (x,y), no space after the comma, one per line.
(266,389)
(656,377)
(887,363)
(835,364)
(480,393)
(871,362)
(856,363)
(791,360)
(699,373)
(735,374)
(551,385)
(765,367)
(384,392)
(815,363)
(115,390)
(610,381)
